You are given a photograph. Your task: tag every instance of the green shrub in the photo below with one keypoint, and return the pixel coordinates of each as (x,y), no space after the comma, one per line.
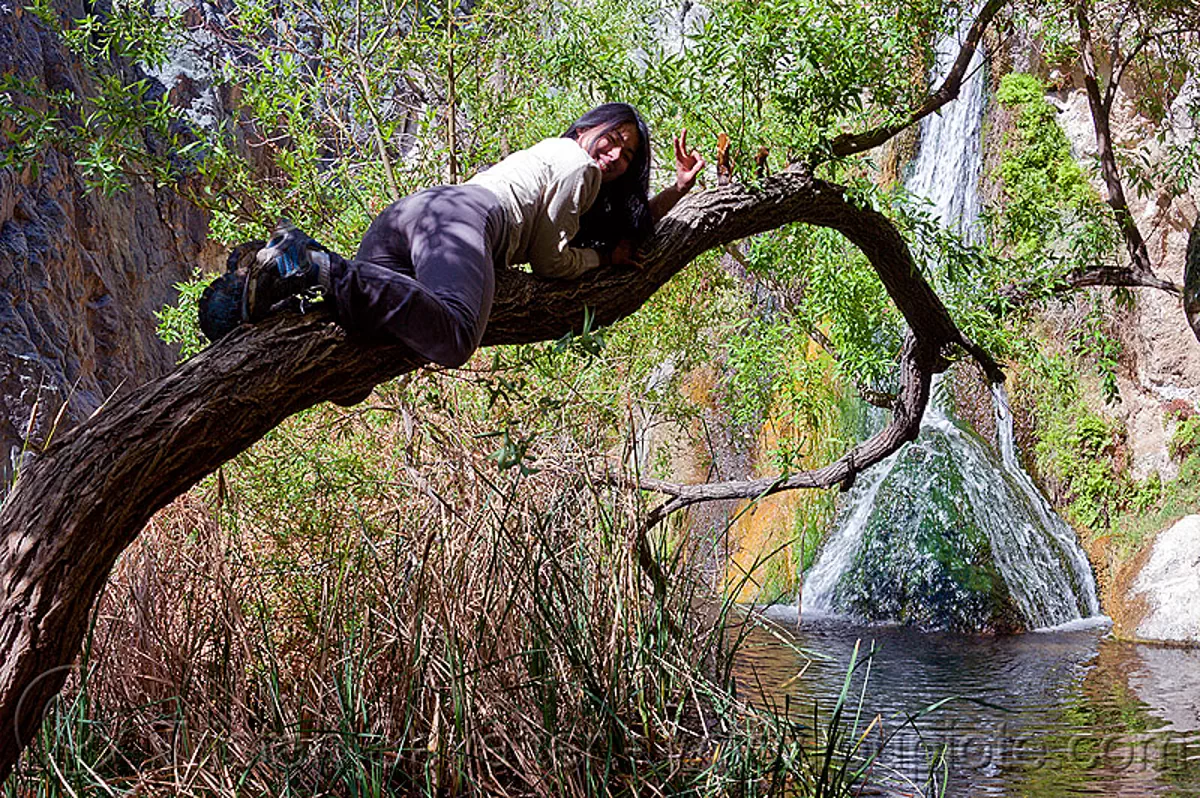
(1185,442)
(1077,448)
(1051,219)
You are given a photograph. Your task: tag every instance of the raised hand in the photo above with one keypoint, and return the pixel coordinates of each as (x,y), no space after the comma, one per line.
(688,164)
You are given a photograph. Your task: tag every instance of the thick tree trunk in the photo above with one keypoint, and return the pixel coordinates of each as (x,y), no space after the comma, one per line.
(78,505)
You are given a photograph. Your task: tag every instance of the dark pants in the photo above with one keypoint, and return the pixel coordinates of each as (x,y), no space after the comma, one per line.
(424,274)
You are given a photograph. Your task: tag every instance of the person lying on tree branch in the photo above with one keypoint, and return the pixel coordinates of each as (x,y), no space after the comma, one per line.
(424,274)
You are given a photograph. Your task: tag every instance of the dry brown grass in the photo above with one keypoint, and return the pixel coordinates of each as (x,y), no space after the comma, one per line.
(366,605)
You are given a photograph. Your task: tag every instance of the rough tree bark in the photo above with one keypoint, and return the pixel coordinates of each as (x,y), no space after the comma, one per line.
(1191,281)
(81,502)
(1100,276)
(1100,102)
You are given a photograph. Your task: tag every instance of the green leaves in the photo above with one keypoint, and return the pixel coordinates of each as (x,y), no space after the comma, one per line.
(1093,340)
(513,452)
(1078,448)
(128,31)
(114,128)
(1046,192)
(31,125)
(178,323)
(588,343)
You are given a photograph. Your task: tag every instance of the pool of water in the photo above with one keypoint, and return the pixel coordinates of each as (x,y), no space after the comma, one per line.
(1067,712)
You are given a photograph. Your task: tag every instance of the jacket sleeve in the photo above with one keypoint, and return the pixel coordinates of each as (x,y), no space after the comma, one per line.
(567,197)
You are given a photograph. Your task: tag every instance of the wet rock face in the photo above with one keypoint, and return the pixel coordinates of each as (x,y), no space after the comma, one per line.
(926,559)
(1169,585)
(81,275)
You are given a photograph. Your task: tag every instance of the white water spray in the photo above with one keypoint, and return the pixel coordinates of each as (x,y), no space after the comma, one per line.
(949,163)
(821,582)
(1060,536)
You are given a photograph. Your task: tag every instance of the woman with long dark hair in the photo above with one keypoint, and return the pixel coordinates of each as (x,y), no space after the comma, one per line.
(424,273)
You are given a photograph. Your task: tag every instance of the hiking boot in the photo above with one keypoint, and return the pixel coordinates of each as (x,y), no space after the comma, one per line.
(283,269)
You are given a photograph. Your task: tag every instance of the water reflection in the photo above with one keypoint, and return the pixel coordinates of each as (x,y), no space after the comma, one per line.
(1041,714)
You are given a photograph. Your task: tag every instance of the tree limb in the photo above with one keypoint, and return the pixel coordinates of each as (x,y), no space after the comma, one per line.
(84,499)
(1098,277)
(1117,277)
(851,143)
(918,362)
(1101,107)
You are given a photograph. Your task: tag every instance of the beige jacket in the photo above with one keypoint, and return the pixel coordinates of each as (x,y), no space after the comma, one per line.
(544,190)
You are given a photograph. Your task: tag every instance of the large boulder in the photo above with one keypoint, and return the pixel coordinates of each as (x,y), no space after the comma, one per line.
(1168,585)
(951,534)
(926,558)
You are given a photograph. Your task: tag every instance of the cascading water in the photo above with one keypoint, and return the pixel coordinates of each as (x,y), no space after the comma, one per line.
(945,533)
(949,162)
(1050,539)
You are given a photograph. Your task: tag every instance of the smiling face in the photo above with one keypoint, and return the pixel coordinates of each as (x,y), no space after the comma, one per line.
(611,149)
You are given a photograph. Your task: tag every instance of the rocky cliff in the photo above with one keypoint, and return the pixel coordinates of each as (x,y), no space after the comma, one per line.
(81,274)
(1162,357)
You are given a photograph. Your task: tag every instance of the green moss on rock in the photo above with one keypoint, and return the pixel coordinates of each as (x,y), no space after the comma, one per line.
(925,559)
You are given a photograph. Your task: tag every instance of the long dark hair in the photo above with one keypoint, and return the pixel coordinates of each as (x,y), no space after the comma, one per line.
(622,209)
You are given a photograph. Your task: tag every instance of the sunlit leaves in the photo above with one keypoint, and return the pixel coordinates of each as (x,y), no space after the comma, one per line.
(177,323)
(126,32)
(1052,219)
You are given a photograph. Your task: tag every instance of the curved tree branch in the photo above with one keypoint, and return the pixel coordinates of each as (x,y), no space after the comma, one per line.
(919,360)
(1098,277)
(851,143)
(84,499)
(1118,277)
(1100,103)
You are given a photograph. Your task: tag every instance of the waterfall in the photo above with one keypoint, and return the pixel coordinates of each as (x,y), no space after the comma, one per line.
(948,533)
(837,555)
(1061,536)
(949,162)
(945,533)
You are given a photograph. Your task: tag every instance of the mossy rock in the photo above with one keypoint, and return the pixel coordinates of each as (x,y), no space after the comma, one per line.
(925,559)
